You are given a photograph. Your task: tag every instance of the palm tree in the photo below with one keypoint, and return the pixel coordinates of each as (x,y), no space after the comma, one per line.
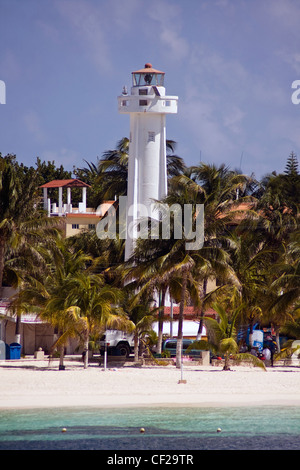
(284,287)
(106,254)
(73,299)
(162,262)
(217,189)
(87,304)
(250,261)
(222,337)
(15,206)
(221,190)
(113,169)
(272,229)
(24,228)
(146,274)
(142,317)
(39,285)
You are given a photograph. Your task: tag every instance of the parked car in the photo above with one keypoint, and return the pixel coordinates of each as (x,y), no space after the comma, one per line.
(170,345)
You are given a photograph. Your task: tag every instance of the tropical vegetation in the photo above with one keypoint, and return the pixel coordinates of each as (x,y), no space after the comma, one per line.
(82,285)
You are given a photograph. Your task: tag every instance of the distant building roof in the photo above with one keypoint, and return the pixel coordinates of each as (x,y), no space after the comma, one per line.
(189,312)
(71,183)
(85,215)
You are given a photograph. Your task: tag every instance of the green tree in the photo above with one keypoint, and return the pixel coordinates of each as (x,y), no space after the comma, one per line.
(70,296)
(160,264)
(48,279)
(150,276)
(222,191)
(250,262)
(166,264)
(284,288)
(107,254)
(281,192)
(23,226)
(88,301)
(142,317)
(222,338)
(90,174)
(271,234)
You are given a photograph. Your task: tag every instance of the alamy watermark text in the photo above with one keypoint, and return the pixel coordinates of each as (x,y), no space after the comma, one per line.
(158,219)
(2,92)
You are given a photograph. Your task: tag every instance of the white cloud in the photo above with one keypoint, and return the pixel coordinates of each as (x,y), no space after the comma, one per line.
(65,156)
(48,30)
(215,103)
(291,58)
(207,131)
(33,125)
(9,65)
(123,14)
(168,18)
(286,12)
(233,119)
(88,23)
(284,18)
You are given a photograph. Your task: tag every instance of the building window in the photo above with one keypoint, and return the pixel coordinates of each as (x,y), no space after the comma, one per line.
(151,136)
(143,91)
(92,226)
(75,226)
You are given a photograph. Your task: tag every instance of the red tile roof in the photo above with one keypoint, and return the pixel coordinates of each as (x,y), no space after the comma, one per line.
(148,69)
(190,312)
(71,183)
(82,214)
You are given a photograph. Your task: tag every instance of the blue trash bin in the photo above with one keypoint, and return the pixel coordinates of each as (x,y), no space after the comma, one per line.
(15,351)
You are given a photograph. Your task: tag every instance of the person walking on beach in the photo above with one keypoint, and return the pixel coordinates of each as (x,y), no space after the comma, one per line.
(267,355)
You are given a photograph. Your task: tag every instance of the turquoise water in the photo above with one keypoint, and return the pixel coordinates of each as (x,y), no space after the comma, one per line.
(192,428)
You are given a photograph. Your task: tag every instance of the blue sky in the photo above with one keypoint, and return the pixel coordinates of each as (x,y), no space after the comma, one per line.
(230,62)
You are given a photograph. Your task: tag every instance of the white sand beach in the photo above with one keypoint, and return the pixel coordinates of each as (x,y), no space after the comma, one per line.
(29,383)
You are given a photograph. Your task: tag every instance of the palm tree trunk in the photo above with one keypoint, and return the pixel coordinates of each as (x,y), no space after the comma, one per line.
(277,330)
(136,347)
(180,320)
(2,251)
(226,361)
(61,357)
(160,320)
(202,311)
(18,329)
(86,350)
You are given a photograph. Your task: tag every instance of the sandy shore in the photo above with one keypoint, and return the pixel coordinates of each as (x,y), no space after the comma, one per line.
(32,383)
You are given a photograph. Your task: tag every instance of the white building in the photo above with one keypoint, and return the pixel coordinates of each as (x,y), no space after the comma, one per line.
(147,106)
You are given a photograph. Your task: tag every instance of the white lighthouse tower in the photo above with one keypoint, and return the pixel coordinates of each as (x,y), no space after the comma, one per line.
(147,106)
